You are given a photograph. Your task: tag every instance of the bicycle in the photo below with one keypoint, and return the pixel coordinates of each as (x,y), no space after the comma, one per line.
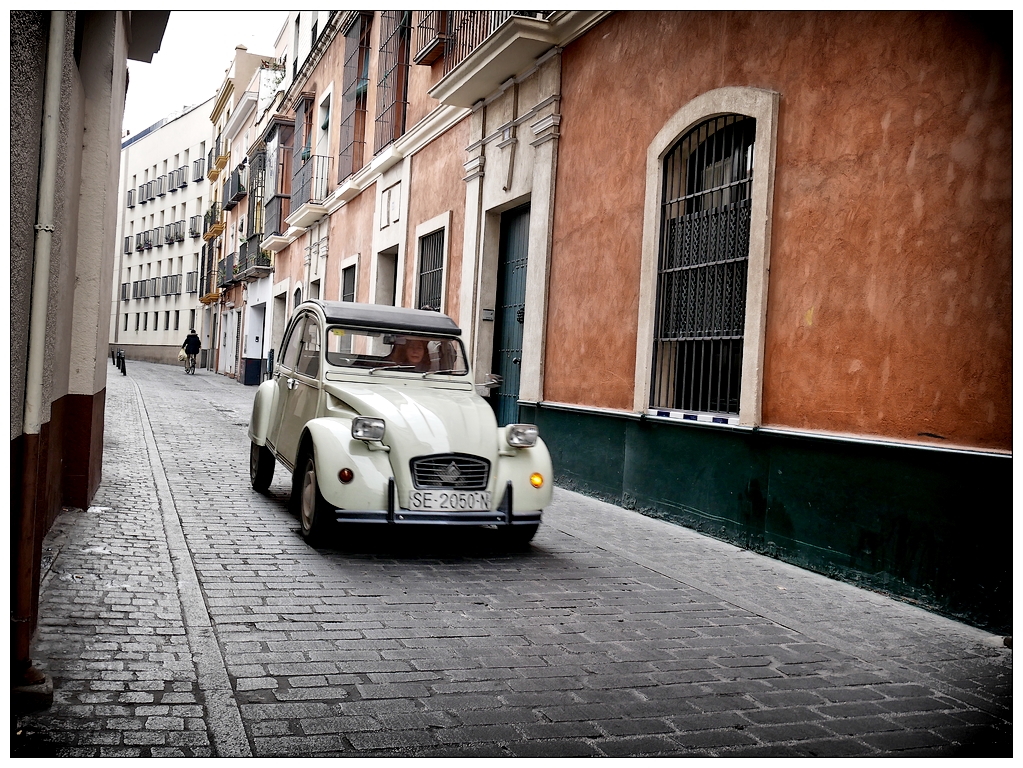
(190,364)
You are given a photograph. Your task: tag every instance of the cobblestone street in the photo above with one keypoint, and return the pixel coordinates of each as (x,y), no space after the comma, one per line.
(183,615)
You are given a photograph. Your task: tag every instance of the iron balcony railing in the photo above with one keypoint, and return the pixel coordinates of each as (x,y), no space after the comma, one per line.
(195,226)
(235,187)
(431,36)
(213,221)
(253,264)
(310,182)
(198,169)
(226,271)
(468,29)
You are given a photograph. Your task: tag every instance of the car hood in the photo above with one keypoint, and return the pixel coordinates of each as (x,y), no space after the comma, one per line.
(423,419)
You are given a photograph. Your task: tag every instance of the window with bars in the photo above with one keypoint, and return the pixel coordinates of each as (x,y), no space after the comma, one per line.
(431,271)
(257,180)
(355,85)
(392,87)
(702,268)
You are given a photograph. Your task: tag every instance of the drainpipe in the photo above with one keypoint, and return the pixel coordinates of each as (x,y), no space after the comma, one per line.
(32,427)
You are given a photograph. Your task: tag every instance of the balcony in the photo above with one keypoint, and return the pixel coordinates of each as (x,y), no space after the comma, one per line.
(213,222)
(216,161)
(226,272)
(195,226)
(252,266)
(309,188)
(431,36)
(235,187)
(486,48)
(277,212)
(221,157)
(209,292)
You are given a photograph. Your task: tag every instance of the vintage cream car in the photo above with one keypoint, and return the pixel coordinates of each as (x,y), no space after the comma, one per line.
(375,411)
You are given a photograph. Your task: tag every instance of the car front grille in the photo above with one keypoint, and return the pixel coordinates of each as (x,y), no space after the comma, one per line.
(450,470)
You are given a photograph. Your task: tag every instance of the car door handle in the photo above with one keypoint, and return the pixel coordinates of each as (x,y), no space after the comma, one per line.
(291,383)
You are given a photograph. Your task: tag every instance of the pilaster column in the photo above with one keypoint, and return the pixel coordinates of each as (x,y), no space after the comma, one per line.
(468,311)
(546,132)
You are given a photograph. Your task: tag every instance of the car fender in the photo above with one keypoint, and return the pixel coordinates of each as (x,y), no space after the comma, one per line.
(517,468)
(262,408)
(334,449)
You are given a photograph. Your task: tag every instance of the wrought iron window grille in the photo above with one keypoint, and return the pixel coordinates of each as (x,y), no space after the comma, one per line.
(702,268)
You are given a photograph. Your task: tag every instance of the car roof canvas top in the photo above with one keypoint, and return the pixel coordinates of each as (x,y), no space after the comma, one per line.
(386,317)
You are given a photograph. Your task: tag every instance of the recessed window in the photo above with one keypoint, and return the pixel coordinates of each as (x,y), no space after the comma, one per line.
(431,271)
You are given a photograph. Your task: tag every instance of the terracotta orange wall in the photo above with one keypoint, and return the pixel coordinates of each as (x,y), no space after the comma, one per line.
(889,309)
(437,187)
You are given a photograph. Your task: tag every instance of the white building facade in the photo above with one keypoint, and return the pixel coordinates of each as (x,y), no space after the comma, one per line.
(164,192)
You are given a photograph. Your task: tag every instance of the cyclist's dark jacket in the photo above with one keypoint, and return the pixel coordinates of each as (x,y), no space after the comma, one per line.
(192,344)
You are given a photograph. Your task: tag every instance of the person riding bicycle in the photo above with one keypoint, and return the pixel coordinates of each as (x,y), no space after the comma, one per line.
(191,346)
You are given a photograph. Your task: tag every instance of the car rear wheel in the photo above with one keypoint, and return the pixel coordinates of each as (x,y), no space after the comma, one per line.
(261,467)
(313,511)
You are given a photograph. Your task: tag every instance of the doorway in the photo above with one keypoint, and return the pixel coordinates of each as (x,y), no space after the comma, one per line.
(510,312)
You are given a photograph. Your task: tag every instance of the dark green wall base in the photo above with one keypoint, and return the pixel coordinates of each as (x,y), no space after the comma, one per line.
(930,527)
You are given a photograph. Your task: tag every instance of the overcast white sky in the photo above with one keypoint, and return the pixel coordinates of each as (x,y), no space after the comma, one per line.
(197,49)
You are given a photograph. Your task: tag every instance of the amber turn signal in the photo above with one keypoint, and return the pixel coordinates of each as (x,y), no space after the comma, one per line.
(536,480)
(345,475)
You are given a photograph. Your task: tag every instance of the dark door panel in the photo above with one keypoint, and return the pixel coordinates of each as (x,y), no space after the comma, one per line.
(510,311)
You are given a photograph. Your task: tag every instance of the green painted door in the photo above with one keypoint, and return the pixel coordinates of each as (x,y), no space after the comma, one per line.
(510,311)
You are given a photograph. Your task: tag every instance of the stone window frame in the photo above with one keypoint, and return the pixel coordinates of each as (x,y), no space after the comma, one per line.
(430,227)
(763,106)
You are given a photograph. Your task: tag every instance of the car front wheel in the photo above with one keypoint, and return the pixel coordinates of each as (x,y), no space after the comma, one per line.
(519,536)
(261,467)
(314,513)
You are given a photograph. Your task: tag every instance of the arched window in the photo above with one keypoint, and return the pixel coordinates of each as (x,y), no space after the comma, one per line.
(700,340)
(298,297)
(702,266)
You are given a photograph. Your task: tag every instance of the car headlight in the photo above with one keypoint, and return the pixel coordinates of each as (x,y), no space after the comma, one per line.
(521,435)
(366,428)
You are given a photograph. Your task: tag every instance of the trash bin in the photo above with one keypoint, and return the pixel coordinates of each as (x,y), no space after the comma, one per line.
(251,371)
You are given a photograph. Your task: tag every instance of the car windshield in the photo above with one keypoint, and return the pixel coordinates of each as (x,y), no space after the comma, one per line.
(384,350)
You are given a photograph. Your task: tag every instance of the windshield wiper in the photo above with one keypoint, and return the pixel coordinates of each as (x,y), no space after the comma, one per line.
(448,372)
(395,367)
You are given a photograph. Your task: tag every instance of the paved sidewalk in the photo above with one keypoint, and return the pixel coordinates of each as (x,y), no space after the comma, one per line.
(182,615)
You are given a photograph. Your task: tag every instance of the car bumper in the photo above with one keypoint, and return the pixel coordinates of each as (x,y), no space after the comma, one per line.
(504,515)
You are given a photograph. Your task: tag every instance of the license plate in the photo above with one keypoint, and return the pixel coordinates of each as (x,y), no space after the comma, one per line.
(449,501)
